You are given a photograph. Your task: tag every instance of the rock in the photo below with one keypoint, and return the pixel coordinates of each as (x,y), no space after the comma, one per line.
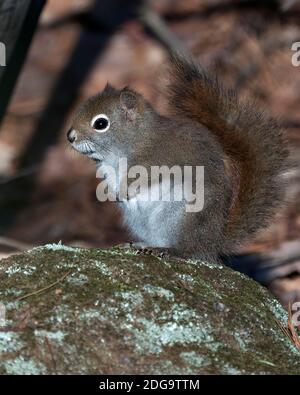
(115,311)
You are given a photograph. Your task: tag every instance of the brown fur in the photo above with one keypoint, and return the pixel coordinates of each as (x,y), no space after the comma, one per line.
(253,143)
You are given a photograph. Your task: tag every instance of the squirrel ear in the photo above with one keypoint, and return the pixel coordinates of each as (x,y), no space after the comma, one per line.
(130,103)
(109,89)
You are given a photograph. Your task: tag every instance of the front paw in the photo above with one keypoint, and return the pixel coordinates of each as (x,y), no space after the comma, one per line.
(157,252)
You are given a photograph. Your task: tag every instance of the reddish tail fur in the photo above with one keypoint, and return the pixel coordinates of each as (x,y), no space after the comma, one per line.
(252,142)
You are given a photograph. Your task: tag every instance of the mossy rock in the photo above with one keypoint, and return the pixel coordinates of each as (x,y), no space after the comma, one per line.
(116,311)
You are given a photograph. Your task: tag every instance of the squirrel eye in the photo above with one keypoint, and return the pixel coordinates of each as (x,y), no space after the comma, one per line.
(100,123)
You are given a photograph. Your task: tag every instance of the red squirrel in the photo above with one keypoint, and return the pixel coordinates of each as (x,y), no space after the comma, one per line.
(242,150)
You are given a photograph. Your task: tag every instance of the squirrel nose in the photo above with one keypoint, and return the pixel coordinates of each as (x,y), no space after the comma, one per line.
(72,135)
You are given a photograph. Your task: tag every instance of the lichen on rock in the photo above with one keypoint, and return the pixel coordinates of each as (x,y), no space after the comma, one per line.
(116,311)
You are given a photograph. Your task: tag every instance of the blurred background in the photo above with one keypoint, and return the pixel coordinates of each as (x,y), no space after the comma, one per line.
(47,191)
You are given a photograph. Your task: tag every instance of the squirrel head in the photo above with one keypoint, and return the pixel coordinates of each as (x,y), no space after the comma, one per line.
(109,123)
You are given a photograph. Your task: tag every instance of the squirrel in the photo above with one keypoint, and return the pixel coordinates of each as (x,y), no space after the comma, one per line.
(243,152)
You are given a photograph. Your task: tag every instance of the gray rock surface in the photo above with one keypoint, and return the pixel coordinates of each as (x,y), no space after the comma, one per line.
(116,311)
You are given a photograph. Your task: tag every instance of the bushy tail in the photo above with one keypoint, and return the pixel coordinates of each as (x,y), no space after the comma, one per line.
(252,141)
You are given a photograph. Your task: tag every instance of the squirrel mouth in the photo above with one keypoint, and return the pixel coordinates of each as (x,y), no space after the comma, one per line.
(90,153)
(94,156)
